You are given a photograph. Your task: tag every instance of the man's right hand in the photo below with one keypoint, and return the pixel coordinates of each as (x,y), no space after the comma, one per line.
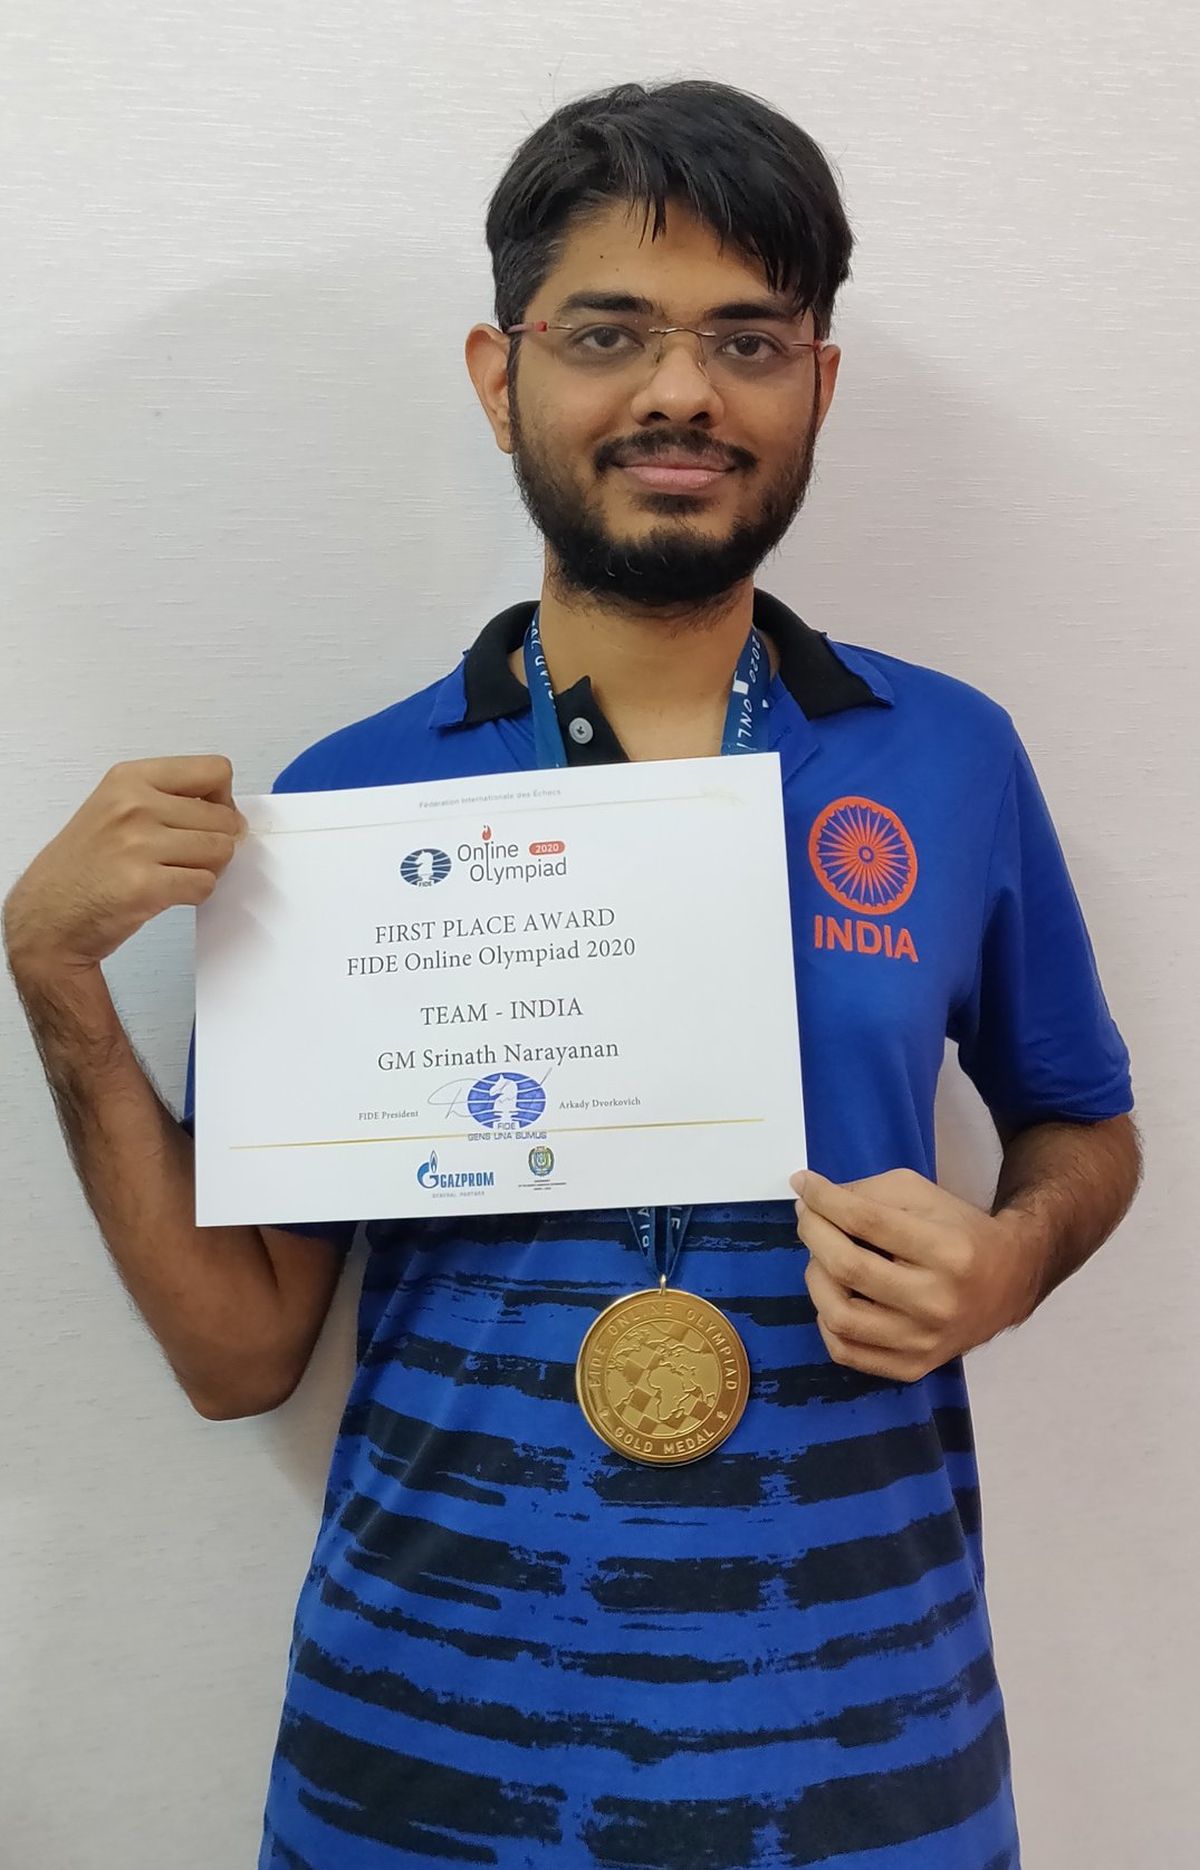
(154,833)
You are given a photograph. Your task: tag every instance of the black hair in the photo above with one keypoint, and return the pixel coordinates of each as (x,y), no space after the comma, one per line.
(745,170)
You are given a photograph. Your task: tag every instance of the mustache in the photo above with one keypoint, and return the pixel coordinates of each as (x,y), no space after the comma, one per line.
(695,452)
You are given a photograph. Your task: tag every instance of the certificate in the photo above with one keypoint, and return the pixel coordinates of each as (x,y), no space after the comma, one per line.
(552,989)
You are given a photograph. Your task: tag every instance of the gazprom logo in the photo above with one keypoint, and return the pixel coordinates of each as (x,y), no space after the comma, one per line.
(425,868)
(430,1176)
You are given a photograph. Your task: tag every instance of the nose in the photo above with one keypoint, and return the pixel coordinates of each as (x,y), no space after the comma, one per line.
(677,384)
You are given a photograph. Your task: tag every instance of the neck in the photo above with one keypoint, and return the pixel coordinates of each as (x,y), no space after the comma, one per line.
(662,682)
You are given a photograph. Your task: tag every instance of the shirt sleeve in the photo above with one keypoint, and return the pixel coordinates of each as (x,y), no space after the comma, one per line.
(1035,1034)
(341,1233)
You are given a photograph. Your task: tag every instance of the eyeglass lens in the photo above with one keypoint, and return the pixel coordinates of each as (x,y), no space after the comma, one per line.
(736,349)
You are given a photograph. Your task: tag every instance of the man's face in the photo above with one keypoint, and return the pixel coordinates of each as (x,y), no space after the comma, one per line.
(570,433)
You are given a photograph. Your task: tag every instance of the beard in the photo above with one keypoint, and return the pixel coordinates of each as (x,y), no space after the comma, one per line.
(675,567)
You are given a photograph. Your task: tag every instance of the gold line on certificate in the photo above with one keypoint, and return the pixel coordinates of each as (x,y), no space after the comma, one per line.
(445,1136)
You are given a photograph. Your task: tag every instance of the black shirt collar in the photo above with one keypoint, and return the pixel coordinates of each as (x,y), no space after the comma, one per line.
(809,668)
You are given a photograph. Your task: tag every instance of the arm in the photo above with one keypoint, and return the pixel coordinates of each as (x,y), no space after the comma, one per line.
(1066,1187)
(236,1309)
(944,1276)
(1034,1034)
(236,1332)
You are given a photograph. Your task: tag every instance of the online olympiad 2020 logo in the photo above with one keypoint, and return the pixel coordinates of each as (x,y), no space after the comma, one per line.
(425,868)
(863,856)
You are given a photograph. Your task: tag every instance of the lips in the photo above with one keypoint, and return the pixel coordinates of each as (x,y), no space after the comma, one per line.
(672,477)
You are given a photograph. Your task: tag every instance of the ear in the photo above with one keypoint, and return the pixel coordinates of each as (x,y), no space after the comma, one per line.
(829,359)
(487,362)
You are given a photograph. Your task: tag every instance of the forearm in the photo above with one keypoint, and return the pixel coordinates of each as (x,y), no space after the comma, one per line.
(1064,1187)
(209,1295)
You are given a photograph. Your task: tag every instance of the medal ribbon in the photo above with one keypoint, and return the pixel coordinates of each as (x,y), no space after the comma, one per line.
(659,1231)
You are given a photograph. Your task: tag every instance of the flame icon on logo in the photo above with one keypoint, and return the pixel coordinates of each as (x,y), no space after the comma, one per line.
(487,832)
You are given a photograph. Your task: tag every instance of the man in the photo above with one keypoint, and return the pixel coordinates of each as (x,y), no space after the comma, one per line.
(516,1646)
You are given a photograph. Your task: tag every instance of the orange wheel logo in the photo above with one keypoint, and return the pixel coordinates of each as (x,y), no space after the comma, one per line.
(863,856)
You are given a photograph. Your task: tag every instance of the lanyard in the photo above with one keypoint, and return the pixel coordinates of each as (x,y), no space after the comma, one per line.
(659,1231)
(745,717)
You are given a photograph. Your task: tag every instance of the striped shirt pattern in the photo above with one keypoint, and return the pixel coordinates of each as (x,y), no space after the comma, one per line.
(516,1648)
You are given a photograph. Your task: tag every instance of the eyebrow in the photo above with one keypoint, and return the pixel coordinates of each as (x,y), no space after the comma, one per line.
(592,301)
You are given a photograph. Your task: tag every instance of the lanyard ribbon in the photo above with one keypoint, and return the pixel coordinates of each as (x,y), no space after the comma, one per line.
(745,718)
(659,1231)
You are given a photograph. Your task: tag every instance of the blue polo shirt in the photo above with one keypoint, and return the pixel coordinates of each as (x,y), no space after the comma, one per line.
(514,1647)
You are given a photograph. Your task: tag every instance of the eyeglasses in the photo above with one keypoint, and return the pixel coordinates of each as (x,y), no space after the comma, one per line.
(732,351)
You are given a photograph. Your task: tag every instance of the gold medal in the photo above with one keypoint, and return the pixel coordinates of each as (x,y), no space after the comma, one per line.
(662,1376)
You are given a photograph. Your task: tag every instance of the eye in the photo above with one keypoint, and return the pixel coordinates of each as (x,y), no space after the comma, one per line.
(605,340)
(753,347)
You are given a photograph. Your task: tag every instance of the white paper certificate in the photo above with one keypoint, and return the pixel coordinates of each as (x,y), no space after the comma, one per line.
(563,989)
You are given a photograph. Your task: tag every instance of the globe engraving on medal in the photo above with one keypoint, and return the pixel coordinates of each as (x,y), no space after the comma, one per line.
(662,1376)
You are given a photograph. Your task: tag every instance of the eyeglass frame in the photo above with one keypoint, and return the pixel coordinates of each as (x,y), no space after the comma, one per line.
(816,345)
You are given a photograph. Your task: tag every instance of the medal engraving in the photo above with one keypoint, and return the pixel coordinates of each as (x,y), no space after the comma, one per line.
(662,1376)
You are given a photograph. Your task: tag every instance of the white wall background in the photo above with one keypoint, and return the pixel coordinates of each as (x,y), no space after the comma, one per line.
(247,495)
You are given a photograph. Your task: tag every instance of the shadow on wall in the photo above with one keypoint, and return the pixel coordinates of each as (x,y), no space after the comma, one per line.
(275,506)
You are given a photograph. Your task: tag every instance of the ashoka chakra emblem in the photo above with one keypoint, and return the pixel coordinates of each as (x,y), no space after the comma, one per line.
(863,856)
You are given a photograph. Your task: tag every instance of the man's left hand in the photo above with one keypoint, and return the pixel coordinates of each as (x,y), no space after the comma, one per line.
(946,1277)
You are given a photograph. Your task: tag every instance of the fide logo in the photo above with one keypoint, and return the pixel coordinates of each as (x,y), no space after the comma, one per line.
(507,1100)
(541,1161)
(425,868)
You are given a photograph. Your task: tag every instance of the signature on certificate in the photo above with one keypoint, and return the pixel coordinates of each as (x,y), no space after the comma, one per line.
(503,1100)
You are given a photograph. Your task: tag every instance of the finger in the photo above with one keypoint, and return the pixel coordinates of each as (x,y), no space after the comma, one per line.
(902,1235)
(186,888)
(854,1266)
(193,850)
(901,1188)
(883,1364)
(198,776)
(857,1320)
(182,814)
